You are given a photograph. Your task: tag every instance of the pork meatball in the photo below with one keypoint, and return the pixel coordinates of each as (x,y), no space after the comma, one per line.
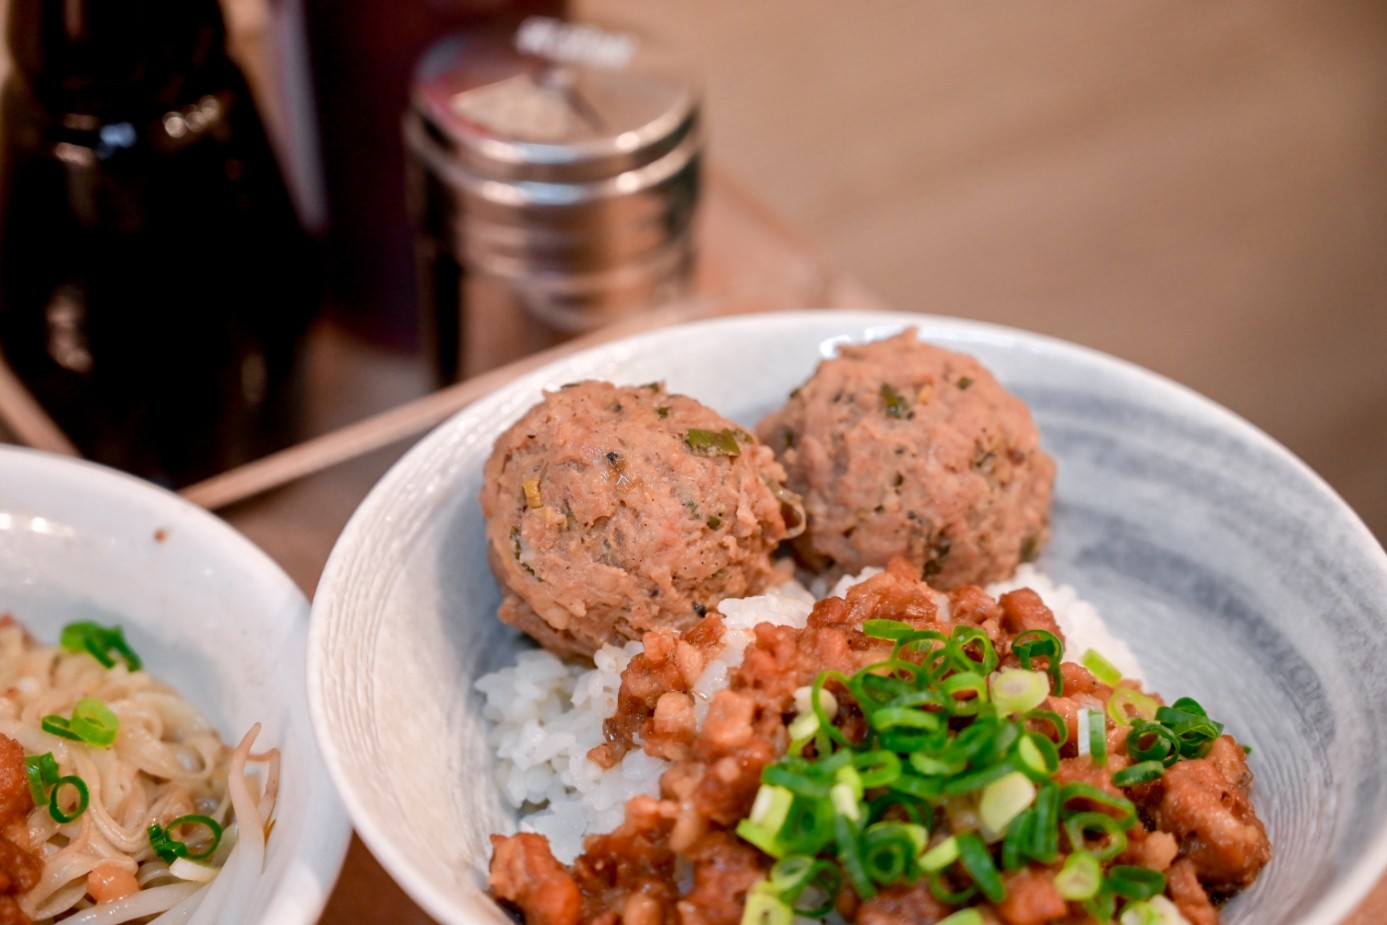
(899,447)
(614,510)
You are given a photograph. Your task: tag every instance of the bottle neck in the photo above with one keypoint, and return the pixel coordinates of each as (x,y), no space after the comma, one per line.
(116,58)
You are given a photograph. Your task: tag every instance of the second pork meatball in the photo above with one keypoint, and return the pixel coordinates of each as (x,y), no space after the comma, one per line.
(614,510)
(899,447)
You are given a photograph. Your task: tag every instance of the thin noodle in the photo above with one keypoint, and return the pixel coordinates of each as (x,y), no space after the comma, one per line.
(227,898)
(167,761)
(136,906)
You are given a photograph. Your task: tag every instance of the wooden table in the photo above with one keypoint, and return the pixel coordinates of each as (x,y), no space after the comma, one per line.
(369,406)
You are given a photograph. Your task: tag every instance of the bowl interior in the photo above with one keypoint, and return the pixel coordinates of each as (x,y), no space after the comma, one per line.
(1234,573)
(208,612)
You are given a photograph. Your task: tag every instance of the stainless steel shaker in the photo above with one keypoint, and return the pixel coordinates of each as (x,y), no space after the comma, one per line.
(553,186)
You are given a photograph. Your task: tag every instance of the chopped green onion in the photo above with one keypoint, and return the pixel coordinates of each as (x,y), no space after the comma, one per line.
(940,856)
(100,641)
(1044,844)
(766,908)
(55,808)
(1034,644)
(877,768)
(1125,698)
(1152,741)
(977,860)
(1102,669)
(966,692)
(42,773)
(1143,772)
(850,856)
(894,630)
(1136,883)
(1158,910)
(1018,838)
(844,800)
(963,917)
(1016,690)
(798,875)
(763,825)
(1125,810)
(1080,877)
(1191,726)
(1097,739)
(1039,756)
(1056,722)
(92,722)
(1003,800)
(1097,833)
(712,442)
(167,847)
(962,640)
(889,850)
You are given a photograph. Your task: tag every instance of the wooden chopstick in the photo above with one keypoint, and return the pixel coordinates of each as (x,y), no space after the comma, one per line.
(402,422)
(30,423)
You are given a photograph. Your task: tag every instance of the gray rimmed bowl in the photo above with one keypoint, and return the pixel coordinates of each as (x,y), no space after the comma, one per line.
(1236,575)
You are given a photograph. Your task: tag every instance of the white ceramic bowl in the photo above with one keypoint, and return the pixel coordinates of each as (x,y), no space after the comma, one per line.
(208,612)
(1238,577)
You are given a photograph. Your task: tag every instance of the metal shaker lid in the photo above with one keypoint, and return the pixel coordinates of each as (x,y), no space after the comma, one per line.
(574,105)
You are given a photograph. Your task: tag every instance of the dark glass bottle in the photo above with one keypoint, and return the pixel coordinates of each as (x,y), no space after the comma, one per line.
(155,282)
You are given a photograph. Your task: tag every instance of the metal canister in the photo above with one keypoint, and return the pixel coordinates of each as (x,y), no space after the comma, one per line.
(553,185)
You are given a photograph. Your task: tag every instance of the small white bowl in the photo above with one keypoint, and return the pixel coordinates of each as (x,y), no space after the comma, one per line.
(208,612)
(1237,576)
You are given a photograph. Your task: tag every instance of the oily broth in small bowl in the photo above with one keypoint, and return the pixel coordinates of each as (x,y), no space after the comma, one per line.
(1174,517)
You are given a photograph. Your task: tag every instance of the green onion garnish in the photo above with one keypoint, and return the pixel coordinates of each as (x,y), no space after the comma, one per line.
(42,773)
(1143,772)
(169,849)
(1097,739)
(963,917)
(55,804)
(1127,703)
(877,756)
(1101,668)
(1152,741)
(1131,882)
(1034,644)
(764,907)
(1016,690)
(100,641)
(1080,877)
(92,722)
(1097,833)
(1191,725)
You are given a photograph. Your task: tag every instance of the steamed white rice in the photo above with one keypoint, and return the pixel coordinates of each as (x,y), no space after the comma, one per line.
(545,714)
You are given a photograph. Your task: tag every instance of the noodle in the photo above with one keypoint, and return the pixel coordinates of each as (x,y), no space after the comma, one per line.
(166,762)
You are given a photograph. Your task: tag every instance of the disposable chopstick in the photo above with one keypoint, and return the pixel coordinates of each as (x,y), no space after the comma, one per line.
(27,419)
(403,422)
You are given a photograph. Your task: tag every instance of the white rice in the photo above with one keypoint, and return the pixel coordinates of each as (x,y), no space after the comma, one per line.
(545,715)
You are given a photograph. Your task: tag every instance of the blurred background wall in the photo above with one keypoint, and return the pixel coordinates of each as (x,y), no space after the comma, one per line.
(1197,188)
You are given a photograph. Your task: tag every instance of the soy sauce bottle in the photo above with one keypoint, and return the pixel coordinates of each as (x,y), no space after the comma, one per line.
(155,282)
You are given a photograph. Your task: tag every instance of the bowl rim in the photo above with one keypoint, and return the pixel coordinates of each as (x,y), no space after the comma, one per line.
(1354,883)
(301,894)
